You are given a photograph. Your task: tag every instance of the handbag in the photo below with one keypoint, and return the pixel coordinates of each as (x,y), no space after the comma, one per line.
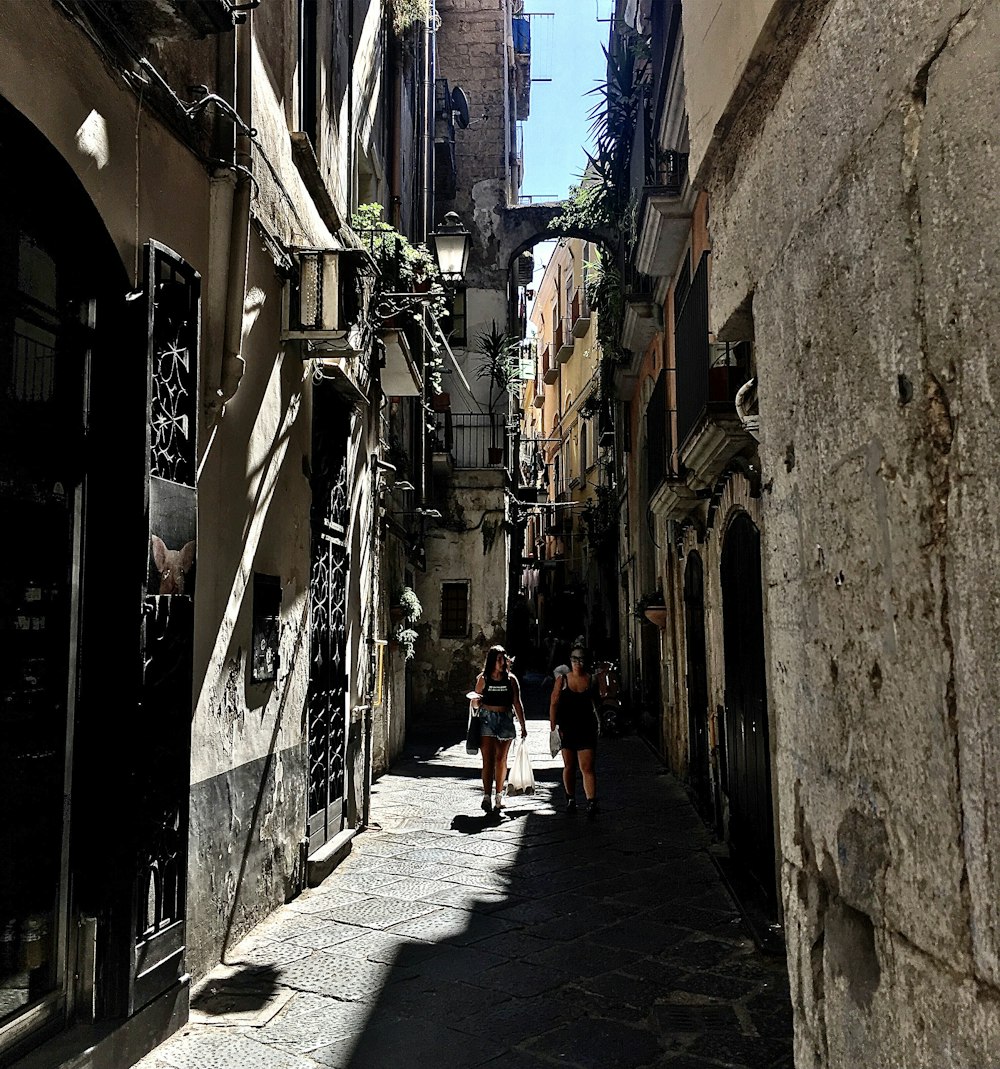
(521,779)
(474,732)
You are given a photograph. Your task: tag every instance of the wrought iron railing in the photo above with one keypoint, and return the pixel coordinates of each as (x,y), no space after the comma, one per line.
(474,440)
(692,353)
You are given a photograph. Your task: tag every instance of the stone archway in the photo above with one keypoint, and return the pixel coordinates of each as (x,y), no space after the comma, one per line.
(525,226)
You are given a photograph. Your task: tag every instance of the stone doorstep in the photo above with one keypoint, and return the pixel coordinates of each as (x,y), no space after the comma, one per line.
(322,862)
(112,1044)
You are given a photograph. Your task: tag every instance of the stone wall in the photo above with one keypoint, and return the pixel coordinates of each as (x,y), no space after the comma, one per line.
(853,199)
(472,50)
(470,543)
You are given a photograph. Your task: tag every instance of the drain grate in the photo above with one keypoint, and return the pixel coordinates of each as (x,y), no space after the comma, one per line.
(228,1007)
(696,1019)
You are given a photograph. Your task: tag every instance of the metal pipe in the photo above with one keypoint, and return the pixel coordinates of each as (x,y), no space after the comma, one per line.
(233,363)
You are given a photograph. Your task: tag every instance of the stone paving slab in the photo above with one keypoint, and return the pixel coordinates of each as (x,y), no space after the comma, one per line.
(449,937)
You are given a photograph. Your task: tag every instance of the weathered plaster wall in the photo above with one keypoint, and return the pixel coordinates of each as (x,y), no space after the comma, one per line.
(99,129)
(248,767)
(735,35)
(854,200)
(445,668)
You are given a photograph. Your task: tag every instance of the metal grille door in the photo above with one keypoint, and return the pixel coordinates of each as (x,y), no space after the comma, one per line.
(163,732)
(327,699)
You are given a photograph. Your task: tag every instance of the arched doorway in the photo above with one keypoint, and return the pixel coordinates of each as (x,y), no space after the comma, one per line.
(748,763)
(699,749)
(98,415)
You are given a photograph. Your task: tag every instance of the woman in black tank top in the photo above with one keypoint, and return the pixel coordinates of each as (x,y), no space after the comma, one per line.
(500,699)
(573,710)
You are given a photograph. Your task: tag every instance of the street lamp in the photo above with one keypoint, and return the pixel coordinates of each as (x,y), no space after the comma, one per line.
(452,243)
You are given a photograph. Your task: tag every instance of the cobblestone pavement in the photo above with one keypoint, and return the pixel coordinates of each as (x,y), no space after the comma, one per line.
(453,939)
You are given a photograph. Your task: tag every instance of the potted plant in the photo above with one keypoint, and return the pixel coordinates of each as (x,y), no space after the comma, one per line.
(498,363)
(406,606)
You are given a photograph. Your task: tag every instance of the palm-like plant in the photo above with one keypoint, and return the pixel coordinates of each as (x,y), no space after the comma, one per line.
(499,364)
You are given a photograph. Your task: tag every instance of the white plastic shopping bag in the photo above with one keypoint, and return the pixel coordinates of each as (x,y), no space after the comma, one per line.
(521,779)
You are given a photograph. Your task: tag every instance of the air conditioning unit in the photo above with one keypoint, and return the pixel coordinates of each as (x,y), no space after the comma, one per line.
(327,296)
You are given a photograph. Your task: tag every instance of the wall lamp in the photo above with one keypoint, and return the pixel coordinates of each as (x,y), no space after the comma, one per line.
(451,243)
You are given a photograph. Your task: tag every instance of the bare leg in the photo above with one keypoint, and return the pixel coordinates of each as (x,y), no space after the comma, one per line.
(500,768)
(586,758)
(488,748)
(569,772)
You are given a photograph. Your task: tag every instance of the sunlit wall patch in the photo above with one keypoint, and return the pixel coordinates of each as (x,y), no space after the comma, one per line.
(92,139)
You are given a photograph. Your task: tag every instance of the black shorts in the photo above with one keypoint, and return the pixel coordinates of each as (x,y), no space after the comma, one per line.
(579,736)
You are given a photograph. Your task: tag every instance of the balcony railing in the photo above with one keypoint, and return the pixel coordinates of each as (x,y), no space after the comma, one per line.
(580,314)
(707,377)
(550,370)
(564,350)
(474,440)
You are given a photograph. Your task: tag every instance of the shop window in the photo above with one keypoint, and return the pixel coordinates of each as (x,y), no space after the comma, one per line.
(455,609)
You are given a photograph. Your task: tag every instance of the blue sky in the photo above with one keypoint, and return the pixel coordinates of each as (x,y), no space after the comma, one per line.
(566,47)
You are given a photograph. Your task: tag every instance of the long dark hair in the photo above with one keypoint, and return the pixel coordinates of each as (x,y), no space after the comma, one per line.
(493,654)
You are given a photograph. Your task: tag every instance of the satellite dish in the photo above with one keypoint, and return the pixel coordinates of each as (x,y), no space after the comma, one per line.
(460,106)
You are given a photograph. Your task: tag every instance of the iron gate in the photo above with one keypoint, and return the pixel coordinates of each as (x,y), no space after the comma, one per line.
(751,832)
(162,740)
(327,698)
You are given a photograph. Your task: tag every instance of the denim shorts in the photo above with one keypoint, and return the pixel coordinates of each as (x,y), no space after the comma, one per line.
(499,725)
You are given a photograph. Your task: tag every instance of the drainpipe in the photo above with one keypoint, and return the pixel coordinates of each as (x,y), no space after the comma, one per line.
(427,169)
(378,467)
(350,109)
(396,142)
(233,363)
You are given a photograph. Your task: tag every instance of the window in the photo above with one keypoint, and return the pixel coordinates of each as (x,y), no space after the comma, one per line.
(681,286)
(453,324)
(455,609)
(308,70)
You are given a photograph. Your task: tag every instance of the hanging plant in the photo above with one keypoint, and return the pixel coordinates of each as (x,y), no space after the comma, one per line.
(407,13)
(591,406)
(402,266)
(405,640)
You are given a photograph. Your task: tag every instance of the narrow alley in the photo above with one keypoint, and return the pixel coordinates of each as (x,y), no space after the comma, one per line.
(448,938)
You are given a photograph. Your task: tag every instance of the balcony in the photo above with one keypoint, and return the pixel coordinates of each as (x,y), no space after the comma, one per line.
(665,207)
(643,313)
(580,315)
(550,369)
(718,434)
(708,377)
(521,32)
(563,343)
(472,440)
(710,433)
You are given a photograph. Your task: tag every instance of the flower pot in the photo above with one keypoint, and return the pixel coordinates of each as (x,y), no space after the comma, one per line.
(396,614)
(441,402)
(495,454)
(657,616)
